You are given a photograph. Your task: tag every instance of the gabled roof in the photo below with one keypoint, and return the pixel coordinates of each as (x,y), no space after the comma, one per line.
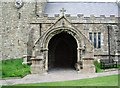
(86,8)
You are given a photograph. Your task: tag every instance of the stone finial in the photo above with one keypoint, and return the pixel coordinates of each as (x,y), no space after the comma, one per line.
(62,11)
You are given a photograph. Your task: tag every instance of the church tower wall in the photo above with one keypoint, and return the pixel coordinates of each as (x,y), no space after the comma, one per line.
(15,33)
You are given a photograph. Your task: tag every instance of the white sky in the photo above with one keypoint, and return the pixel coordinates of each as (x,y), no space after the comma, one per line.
(83,0)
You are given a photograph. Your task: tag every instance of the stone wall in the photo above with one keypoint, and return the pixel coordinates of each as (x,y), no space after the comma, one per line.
(15,24)
(22,28)
(1,31)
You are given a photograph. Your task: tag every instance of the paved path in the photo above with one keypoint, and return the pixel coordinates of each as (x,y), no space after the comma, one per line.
(59,75)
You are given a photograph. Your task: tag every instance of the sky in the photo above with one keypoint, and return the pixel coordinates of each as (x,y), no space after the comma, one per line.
(83,0)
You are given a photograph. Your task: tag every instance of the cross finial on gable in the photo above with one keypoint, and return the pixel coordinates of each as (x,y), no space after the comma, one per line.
(62,11)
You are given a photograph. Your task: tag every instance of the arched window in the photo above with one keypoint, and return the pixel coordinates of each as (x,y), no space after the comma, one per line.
(95,41)
(90,36)
(99,39)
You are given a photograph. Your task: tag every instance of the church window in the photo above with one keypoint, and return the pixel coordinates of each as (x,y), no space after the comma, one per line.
(95,43)
(99,39)
(90,36)
(95,38)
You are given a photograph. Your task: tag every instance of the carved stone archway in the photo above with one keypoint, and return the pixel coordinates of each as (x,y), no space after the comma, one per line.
(46,39)
(85,48)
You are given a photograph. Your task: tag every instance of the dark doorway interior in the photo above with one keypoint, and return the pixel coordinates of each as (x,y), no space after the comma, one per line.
(62,51)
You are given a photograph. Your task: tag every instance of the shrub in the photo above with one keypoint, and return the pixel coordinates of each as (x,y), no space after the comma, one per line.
(97,66)
(118,66)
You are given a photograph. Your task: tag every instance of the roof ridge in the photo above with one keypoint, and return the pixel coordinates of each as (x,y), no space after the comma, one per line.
(80,2)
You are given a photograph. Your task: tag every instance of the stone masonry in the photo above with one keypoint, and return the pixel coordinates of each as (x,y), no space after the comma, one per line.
(27,30)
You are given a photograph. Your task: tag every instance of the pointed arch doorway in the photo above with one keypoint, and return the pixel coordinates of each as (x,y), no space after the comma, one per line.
(62,51)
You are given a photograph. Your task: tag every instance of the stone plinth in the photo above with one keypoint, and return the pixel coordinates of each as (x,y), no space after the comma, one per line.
(37,66)
(88,65)
(26,59)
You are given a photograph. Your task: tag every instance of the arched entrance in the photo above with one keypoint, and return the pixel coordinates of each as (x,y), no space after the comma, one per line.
(62,51)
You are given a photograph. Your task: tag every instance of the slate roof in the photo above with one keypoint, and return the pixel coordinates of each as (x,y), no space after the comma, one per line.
(86,8)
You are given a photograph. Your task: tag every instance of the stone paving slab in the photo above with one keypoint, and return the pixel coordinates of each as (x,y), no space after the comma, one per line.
(60,75)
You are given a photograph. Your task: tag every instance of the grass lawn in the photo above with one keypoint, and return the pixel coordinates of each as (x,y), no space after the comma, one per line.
(14,68)
(98,81)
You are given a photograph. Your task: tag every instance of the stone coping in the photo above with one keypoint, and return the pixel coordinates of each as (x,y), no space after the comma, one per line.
(36,59)
(24,56)
(91,58)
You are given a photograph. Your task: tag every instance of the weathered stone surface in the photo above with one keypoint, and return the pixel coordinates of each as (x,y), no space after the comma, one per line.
(88,65)
(37,66)
(27,31)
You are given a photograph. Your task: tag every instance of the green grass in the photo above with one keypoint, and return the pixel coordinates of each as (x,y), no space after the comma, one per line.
(98,81)
(14,68)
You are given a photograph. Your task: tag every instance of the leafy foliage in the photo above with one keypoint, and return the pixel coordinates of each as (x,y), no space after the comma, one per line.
(98,69)
(97,66)
(118,66)
(14,68)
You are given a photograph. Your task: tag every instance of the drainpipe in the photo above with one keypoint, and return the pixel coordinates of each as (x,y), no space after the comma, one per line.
(108,41)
